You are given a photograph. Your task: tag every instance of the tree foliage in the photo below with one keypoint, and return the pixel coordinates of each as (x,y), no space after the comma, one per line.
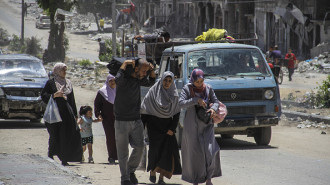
(323,94)
(56,41)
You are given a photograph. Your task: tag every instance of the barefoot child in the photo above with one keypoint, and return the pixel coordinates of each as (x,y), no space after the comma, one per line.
(85,125)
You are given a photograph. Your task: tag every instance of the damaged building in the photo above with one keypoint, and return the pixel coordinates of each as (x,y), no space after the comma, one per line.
(303,25)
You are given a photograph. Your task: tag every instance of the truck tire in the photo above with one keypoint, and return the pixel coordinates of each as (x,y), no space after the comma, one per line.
(263,135)
(178,134)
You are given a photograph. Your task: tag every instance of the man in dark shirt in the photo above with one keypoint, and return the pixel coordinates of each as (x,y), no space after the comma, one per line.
(276,55)
(128,125)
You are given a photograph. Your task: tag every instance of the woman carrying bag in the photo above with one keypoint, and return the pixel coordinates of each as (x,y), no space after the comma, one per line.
(160,112)
(200,151)
(64,136)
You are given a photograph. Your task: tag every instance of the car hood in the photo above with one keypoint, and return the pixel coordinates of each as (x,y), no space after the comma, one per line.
(23,83)
(241,82)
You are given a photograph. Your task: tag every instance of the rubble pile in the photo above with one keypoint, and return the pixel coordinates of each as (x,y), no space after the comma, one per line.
(92,77)
(306,123)
(319,64)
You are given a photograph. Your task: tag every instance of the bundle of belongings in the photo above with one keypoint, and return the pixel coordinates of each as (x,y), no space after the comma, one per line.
(214,34)
(116,62)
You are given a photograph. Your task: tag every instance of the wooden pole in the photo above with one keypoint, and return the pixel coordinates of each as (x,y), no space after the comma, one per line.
(22,25)
(123,44)
(114,29)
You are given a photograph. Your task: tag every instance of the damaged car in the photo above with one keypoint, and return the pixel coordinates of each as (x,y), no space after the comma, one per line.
(22,78)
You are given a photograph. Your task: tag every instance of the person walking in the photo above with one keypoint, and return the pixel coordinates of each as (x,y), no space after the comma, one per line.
(85,125)
(103,109)
(128,124)
(200,151)
(160,112)
(291,57)
(64,136)
(276,55)
(103,49)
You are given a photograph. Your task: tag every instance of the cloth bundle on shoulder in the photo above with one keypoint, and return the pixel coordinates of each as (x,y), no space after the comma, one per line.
(116,62)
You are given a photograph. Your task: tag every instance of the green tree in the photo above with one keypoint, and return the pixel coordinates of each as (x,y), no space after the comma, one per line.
(323,94)
(56,47)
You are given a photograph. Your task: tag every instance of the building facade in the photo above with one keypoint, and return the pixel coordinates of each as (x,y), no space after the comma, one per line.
(298,24)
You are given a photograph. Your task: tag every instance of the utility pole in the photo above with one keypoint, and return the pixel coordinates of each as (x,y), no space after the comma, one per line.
(114,29)
(22,25)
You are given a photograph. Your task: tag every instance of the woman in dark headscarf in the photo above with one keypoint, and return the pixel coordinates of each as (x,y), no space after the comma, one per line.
(160,112)
(103,109)
(64,137)
(199,149)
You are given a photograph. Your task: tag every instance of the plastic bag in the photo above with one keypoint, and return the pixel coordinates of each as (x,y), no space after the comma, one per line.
(52,115)
(221,113)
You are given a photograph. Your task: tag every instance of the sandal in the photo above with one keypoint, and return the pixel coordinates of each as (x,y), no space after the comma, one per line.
(90,160)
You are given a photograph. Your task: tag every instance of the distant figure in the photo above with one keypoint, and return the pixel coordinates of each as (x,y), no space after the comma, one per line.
(103,49)
(102,24)
(292,58)
(276,55)
(25,7)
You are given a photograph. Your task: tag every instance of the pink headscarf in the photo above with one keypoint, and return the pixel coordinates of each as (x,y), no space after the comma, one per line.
(107,92)
(62,84)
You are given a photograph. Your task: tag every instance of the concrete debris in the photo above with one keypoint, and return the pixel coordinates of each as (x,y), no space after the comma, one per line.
(92,76)
(311,124)
(319,64)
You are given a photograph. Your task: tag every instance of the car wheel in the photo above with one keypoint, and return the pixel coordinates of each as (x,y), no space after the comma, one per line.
(227,136)
(35,120)
(263,135)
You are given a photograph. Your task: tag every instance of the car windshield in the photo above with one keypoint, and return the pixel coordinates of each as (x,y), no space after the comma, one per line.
(228,62)
(23,68)
(45,20)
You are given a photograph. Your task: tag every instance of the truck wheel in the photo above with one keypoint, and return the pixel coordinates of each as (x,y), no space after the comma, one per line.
(227,136)
(263,135)
(178,134)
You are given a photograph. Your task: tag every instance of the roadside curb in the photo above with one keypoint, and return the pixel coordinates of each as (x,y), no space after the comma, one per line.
(317,118)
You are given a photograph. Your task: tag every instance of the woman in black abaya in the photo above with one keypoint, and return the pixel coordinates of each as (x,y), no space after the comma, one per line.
(64,137)
(160,112)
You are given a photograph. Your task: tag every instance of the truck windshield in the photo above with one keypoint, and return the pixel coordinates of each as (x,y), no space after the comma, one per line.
(228,62)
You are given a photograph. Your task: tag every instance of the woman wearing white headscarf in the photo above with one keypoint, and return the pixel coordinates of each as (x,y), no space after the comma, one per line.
(103,109)
(64,137)
(160,112)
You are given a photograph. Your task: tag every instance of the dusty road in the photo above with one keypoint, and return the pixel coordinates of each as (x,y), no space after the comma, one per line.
(80,47)
(294,156)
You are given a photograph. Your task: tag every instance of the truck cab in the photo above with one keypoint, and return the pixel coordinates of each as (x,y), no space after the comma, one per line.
(241,79)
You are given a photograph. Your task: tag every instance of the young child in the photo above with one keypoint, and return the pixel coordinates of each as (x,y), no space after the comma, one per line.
(85,125)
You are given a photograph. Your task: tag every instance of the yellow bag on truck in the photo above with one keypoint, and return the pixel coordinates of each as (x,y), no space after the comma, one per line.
(212,34)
